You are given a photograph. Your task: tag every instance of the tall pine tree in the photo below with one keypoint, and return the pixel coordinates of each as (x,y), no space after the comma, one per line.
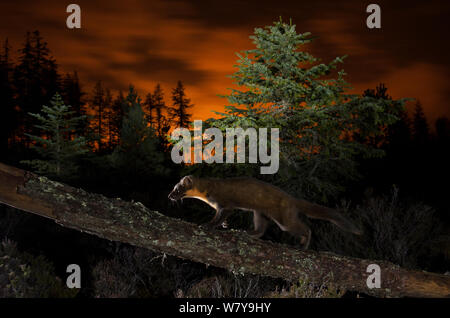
(98,103)
(179,112)
(108,105)
(421,134)
(137,155)
(73,95)
(159,107)
(25,79)
(150,107)
(46,68)
(36,78)
(8,119)
(115,117)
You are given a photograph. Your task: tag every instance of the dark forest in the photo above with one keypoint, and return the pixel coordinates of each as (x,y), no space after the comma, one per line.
(117,143)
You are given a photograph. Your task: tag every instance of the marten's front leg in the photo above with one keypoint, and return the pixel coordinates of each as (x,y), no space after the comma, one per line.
(219,218)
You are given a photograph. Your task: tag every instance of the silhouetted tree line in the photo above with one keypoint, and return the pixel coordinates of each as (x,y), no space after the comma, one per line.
(30,82)
(127,156)
(137,143)
(114,144)
(417,156)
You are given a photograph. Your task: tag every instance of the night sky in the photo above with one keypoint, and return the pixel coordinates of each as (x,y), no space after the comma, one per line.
(145,42)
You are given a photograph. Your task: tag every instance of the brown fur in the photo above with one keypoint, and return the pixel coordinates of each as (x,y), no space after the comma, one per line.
(266,201)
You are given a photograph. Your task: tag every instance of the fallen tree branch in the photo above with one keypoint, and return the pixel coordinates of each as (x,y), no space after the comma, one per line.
(133,223)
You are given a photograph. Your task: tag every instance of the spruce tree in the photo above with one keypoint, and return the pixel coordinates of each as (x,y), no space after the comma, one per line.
(36,78)
(160,107)
(46,68)
(56,145)
(8,118)
(379,92)
(108,105)
(149,107)
(420,126)
(397,136)
(73,95)
(179,112)
(137,154)
(98,103)
(24,80)
(322,128)
(115,117)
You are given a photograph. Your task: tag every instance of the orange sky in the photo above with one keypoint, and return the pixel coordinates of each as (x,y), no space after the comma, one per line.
(145,42)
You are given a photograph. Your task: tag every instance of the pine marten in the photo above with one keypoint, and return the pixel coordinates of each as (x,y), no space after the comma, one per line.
(266,201)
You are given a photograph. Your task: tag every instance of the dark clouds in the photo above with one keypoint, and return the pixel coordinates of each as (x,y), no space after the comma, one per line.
(413,32)
(145,42)
(161,68)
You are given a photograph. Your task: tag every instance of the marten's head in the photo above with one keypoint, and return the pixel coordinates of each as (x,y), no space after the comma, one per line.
(180,189)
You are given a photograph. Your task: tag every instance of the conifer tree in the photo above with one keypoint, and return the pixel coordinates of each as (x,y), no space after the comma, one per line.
(379,92)
(36,78)
(59,148)
(108,104)
(45,67)
(179,112)
(285,87)
(115,118)
(137,154)
(160,107)
(397,136)
(73,95)
(420,126)
(98,103)
(8,120)
(150,107)
(24,81)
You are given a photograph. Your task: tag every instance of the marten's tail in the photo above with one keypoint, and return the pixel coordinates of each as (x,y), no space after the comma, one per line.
(315,211)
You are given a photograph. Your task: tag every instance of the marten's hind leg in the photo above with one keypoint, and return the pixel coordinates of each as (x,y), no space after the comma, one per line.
(300,229)
(260,225)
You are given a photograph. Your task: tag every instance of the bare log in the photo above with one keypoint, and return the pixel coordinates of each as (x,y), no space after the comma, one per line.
(133,223)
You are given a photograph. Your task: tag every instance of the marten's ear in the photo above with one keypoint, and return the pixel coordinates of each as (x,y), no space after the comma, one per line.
(187,181)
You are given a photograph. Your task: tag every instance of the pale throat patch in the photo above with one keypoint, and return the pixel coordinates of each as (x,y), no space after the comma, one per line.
(196,194)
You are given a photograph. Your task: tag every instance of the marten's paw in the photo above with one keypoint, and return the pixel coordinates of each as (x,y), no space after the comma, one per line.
(255,234)
(304,243)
